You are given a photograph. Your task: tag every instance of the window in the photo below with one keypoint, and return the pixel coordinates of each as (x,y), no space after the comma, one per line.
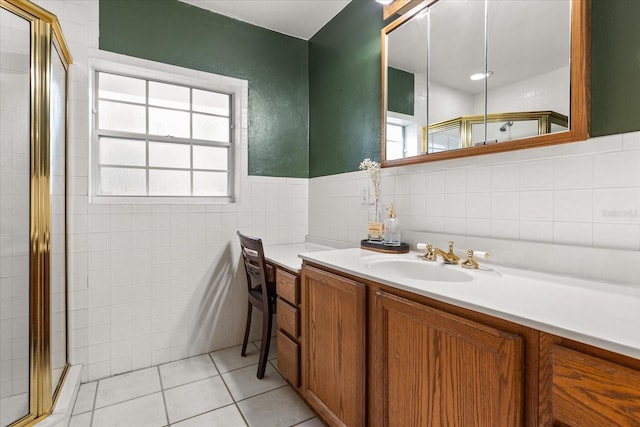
(396,148)
(161,139)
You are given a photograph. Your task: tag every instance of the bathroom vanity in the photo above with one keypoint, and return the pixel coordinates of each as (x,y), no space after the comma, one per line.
(381,346)
(284,268)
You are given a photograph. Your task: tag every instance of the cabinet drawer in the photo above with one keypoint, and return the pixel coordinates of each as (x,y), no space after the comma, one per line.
(288,318)
(287,287)
(288,359)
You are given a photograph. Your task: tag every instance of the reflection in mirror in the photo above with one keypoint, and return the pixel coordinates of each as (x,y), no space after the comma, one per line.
(456,51)
(519,54)
(407,88)
(529,53)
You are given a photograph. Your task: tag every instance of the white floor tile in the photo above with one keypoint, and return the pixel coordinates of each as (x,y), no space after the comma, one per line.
(195,395)
(127,386)
(196,398)
(86,398)
(280,407)
(147,411)
(82,420)
(313,422)
(229,416)
(229,359)
(244,383)
(187,370)
(273,348)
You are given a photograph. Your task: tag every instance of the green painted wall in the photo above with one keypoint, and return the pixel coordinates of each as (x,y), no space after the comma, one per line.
(400,91)
(274,64)
(615,61)
(344,90)
(315,107)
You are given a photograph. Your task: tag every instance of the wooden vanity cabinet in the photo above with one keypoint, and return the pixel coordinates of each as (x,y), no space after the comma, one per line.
(334,331)
(288,320)
(381,356)
(585,386)
(435,368)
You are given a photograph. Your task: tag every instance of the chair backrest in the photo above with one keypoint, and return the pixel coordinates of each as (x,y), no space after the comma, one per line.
(254,264)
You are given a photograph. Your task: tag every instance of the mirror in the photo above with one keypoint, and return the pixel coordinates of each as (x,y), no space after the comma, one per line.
(529,63)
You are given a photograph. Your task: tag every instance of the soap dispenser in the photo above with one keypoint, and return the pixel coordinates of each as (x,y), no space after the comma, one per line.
(392,228)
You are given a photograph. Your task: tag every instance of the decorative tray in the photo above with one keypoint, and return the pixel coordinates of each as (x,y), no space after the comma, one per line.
(402,248)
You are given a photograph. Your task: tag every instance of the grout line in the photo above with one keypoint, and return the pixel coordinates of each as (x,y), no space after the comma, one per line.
(164,399)
(95,396)
(304,421)
(198,415)
(93,406)
(229,391)
(264,392)
(162,388)
(214,364)
(129,400)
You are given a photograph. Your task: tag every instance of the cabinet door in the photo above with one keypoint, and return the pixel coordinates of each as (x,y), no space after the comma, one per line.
(334,346)
(433,368)
(580,389)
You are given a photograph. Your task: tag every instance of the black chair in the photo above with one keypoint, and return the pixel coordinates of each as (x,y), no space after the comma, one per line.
(262,295)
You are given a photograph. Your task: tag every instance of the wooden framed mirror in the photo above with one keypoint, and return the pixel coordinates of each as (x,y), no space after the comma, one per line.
(532,63)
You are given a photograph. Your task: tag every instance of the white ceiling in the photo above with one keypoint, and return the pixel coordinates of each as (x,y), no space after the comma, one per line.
(297,18)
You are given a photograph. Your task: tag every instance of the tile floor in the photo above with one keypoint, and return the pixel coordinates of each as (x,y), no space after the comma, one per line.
(216,389)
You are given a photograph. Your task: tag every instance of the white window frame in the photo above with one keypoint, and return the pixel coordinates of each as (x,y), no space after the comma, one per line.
(403,141)
(237,88)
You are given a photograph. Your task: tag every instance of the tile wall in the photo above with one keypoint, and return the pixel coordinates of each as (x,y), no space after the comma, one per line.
(156,283)
(584,194)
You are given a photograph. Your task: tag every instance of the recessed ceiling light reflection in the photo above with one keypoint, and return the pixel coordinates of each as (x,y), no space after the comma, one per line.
(480,76)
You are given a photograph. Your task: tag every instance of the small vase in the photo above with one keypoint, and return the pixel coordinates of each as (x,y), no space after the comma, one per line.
(375,226)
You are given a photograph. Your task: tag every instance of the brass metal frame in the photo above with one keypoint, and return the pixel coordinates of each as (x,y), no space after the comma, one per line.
(465,123)
(45,31)
(580,91)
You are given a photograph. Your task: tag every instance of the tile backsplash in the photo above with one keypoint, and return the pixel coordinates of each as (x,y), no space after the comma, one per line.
(584,194)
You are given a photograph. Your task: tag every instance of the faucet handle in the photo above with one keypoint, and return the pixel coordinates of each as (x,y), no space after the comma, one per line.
(470,262)
(430,254)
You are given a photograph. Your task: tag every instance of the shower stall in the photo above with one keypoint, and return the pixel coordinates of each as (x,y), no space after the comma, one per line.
(34,61)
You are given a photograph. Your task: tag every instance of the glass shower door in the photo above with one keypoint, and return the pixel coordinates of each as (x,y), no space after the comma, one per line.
(57,190)
(15,174)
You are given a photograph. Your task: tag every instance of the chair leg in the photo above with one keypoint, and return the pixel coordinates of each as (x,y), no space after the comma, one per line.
(247,328)
(264,344)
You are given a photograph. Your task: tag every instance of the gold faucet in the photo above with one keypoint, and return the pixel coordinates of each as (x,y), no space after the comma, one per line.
(448,257)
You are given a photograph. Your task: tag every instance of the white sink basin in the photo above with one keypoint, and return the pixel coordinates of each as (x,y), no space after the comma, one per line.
(418,270)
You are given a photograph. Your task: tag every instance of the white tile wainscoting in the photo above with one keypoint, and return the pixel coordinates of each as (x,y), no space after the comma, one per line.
(584,194)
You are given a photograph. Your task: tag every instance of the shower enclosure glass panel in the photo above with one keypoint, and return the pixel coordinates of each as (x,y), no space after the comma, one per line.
(15,140)
(34,61)
(58,226)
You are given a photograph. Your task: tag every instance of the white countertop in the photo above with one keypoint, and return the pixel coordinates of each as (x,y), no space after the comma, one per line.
(596,313)
(286,255)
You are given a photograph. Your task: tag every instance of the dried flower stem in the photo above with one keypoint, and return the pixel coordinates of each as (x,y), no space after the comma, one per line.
(375,173)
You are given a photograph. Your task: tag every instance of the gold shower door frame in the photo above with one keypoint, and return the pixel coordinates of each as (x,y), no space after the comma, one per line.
(45,33)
